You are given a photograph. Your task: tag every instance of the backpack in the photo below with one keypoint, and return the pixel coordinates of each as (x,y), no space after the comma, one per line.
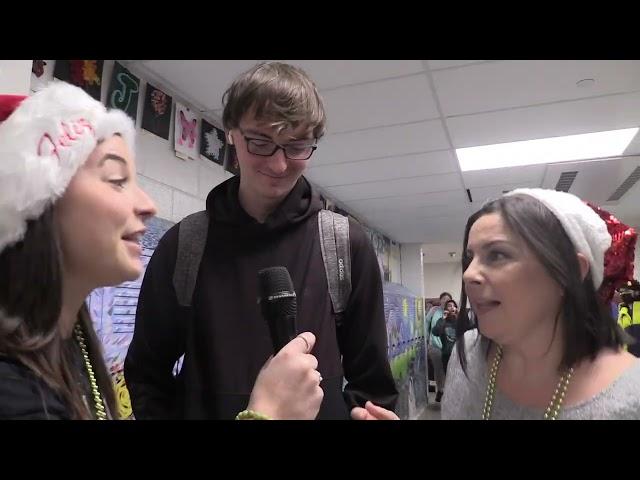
(334,243)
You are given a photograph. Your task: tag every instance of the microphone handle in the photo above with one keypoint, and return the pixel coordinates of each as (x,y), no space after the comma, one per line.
(282,330)
(281,320)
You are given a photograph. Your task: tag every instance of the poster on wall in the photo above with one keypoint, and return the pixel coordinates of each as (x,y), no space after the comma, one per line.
(382,247)
(113,311)
(86,74)
(406,349)
(156,115)
(186,132)
(212,143)
(41,74)
(329,204)
(230,160)
(341,211)
(123,91)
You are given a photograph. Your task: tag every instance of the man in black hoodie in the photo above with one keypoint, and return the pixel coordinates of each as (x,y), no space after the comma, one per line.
(273,117)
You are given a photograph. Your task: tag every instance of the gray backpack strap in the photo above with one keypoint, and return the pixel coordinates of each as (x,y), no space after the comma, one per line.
(192,238)
(336,254)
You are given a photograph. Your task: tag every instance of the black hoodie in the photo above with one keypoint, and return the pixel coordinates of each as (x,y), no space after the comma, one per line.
(224,337)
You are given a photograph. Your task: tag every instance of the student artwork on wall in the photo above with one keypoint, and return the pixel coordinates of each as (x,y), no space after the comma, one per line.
(156,116)
(382,247)
(230,160)
(113,311)
(329,204)
(41,74)
(404,317)
(123,91)
(212,143)
(86,74)
(341,211)
(186,132)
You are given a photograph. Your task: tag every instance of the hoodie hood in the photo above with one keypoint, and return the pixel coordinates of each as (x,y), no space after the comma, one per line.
(301,203)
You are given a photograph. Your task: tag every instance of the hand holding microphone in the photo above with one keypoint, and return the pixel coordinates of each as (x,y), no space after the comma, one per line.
(288,386)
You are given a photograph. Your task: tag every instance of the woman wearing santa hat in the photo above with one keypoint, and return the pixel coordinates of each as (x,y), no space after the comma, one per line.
(71,218)
(546,346)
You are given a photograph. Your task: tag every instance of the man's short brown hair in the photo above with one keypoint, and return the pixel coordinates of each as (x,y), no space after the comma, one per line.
(277,93)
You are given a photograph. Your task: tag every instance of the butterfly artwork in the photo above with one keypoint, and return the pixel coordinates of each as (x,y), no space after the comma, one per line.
(186,132)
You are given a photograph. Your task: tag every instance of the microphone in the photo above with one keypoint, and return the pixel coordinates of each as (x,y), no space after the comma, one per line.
(277,300)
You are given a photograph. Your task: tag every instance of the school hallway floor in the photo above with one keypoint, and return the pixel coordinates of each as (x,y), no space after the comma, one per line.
(432,410)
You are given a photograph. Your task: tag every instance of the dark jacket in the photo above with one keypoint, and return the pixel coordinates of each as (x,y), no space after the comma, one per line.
(23,396)
(445,329)
(224,337)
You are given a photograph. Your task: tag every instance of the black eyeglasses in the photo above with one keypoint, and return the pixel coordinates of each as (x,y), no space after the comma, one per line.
(267,148)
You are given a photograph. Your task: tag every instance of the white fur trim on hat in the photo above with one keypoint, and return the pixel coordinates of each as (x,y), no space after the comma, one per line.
(587,231)
(42,145)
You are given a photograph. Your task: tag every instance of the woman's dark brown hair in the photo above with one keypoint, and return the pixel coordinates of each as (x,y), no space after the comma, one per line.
(30,306)
(587,324)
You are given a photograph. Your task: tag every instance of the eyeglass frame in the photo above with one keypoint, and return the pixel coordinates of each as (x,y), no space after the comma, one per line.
(277,147)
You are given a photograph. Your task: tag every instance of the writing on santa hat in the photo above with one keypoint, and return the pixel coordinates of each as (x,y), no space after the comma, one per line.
(70,133)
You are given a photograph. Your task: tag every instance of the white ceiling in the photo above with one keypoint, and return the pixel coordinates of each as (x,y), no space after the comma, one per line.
(388,156)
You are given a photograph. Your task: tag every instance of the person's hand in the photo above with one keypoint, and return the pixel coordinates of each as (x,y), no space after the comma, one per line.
(288,386)
(372,412)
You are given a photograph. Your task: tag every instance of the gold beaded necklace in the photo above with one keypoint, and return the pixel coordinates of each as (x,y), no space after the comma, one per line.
(552,411)
(101,413)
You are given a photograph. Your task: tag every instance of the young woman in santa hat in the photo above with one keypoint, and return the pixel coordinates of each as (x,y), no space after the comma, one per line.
(71,218)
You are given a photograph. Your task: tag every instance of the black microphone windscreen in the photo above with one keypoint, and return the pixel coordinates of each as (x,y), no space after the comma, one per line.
(274,280)
(278,304)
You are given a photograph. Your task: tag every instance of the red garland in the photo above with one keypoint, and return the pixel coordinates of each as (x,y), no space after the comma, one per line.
(618,259)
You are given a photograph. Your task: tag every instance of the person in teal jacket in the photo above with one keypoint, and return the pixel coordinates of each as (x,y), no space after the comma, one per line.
(434,348)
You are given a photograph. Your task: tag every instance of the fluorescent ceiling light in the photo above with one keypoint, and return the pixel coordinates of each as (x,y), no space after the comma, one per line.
(546,150)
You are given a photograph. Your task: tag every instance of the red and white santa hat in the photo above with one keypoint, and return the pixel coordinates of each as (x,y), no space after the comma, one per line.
(44,139)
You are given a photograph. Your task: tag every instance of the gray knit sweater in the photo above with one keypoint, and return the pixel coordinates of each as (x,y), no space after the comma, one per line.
(464,397)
